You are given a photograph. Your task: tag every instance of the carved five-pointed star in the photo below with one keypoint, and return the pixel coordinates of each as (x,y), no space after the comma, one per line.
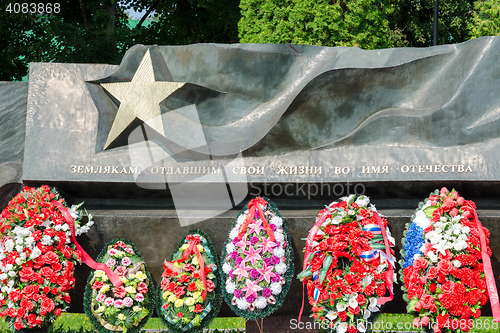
(140,99)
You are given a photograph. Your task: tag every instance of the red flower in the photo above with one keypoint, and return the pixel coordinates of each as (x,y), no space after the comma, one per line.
(47,272)
(184,278)
(381,290)
(31,292)
(120,291)
(180,314)
(142,288)
(210,286)
(97,285)
(121,271)
(198,308)
(50,258)
(27,274)
(192,287)
(448,287)
(47,305)
(171,286)
(342,315)
(188,268)
(164,284)
(179,292)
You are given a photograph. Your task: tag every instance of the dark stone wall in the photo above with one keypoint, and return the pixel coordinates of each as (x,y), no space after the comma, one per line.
(157,232)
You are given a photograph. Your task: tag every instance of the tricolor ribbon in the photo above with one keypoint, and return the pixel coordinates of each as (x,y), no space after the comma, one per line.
(85,257)
(308,250)
(390,271)
(373,254)
(488,272)
(192,248)
(253,205)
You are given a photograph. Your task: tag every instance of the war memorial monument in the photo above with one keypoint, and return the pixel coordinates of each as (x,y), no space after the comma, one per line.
(177,137)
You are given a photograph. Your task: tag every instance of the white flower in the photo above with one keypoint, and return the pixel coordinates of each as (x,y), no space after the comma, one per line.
(12,273)
(432,256)
(353,303)
(275,288)
(242,304)
(331,315)
(422,220)
(277,221)
(366,314)
(241,219)
(373,307)
(361,326)
(19,248)
(455,263)
(230,287)
(279,252)
(3,276)
(279,236)
(19,261)
(226,267)
(351,212)
(260,302)
(29,241)
(230,247)
(362,201)
(341,307)
(35,253)
(336,219)
(280,268)
(47,240)
(460,245)
(234,233)
(366,281)
(342,327)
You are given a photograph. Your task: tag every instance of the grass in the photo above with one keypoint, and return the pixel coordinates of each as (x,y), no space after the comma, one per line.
(78,322)
(385,323)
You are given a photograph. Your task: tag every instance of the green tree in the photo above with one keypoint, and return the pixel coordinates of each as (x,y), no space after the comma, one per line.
(364,23)
(486,19)
(91,31)
(416,17)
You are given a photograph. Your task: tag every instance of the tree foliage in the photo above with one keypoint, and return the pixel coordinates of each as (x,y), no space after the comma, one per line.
(486,19)
(368,24)
(363,23)
(91,31)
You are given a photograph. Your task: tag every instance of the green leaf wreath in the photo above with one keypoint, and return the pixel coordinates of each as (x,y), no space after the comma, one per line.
(128,307)
(258,261)
(184,304)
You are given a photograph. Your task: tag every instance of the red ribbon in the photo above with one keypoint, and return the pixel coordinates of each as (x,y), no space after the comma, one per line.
(488,272)
(193,241)
(253,205)
(308,250)
(85,257)
(390,271)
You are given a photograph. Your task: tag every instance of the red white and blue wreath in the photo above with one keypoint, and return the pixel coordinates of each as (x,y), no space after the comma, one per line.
(348,264)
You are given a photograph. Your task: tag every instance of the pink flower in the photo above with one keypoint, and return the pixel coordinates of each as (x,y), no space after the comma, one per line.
(127,302)
(118,304)
(139,297)
(112,252)
(129,250)
(121,271)
(100,297)
(126,261)
(109,301)
(111,263)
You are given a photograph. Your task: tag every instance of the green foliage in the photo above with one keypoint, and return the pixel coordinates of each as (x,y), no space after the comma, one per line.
(91,31)
(362,23)
(486,19)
